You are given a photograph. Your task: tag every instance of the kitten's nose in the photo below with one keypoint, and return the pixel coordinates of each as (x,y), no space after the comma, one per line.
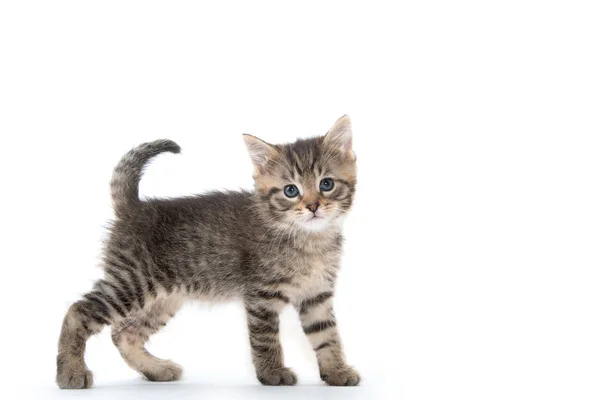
(313,206)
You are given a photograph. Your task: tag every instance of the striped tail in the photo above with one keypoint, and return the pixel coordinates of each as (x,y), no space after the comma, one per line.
(126,177)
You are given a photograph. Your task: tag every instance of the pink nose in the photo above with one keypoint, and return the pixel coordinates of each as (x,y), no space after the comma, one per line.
(313,206)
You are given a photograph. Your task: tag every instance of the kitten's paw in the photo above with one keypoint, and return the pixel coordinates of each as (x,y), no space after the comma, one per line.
(345,376)
(163,372)
(74,377)
(278,377)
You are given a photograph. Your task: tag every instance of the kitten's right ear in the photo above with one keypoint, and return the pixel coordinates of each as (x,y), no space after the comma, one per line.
(260,152)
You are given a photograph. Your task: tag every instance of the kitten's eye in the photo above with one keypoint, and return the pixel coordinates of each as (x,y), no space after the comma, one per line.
(290,191)
(326,184)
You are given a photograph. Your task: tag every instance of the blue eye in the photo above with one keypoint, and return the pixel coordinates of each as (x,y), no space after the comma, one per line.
(326,185)
(290,191)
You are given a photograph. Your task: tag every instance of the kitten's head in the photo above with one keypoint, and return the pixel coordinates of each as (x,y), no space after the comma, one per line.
(308,184)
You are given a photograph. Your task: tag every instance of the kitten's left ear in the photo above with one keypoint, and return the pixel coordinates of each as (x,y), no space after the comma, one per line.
(260,152)
(339,136)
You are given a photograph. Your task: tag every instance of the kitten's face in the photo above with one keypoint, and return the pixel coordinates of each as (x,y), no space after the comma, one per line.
(308,184)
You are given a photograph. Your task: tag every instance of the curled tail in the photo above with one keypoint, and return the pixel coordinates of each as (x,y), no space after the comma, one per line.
(128,172)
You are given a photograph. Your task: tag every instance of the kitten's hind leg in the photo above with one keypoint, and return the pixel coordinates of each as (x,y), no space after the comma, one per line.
(131,334)
(84,319)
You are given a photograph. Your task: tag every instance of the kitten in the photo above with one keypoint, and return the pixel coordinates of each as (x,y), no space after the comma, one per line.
(278,245)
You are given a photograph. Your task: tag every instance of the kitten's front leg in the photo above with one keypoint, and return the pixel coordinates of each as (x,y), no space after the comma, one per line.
(262,311)
(319,324)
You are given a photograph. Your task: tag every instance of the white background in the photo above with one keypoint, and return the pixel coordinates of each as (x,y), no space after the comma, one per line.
(472,258)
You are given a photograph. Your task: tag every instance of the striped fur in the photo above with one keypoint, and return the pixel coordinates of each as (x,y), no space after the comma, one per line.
(128,173)
(268,250)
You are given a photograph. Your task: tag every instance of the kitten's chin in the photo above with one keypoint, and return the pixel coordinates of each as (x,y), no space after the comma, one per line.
(316,224)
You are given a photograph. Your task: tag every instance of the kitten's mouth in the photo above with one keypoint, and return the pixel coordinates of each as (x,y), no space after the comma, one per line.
(315,222)
(315,218)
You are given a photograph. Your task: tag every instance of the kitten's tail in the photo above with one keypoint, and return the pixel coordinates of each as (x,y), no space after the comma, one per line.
(128,173)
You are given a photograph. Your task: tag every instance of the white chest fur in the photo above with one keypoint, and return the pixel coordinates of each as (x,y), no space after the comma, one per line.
(312,275)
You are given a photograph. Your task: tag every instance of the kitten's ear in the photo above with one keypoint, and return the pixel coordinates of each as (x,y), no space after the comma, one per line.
(339,136)
(260,152)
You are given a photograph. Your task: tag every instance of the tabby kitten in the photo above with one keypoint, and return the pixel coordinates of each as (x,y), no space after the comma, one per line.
(278,245)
